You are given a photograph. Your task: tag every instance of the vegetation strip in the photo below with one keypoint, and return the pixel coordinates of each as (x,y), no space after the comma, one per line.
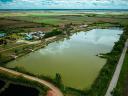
(115,78)
(122,85)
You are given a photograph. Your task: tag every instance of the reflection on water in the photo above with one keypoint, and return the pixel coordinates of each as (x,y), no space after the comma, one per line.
(75,58)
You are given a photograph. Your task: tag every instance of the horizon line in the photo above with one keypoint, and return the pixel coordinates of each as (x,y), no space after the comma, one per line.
(63,9)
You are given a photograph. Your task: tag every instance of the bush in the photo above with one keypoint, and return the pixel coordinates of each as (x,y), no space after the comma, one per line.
(53,33)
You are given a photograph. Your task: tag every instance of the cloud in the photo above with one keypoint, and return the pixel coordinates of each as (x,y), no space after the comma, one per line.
(81,4)
(4,1)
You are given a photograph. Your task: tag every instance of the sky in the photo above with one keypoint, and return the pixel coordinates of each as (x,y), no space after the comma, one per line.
(63,4)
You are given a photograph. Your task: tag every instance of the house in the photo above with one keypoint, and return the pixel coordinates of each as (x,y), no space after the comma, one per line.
(34,35)
(2,35)
(83,26)
(28,37)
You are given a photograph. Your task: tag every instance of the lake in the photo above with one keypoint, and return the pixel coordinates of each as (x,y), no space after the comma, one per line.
(74,58)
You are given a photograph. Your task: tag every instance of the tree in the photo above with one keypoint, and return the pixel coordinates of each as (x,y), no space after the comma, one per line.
(5,42)
(16,51)
(53,33)
(58,80)
(0,56)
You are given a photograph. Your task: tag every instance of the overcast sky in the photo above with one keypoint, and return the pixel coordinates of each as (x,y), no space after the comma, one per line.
(63,4)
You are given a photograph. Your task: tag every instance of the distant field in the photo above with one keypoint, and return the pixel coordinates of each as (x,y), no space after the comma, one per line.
(53,20)
(61,18)
(13,25)
(3,14)
(46,21)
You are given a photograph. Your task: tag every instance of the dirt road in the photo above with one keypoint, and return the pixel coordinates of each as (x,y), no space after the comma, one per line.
(54,91)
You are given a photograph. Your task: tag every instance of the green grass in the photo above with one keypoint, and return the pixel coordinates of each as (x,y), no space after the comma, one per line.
(57,18)
(52,20)
(64,18)
(8,14)
(122,79)
(49,21)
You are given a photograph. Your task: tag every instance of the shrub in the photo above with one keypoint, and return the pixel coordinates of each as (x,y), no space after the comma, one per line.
(53,33)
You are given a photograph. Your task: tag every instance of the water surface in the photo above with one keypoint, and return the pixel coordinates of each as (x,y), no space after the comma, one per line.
(75,58)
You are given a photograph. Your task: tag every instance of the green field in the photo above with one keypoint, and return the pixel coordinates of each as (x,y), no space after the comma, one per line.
(122,86)
(61,18)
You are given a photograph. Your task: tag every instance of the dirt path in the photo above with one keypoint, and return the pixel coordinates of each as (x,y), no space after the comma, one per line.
(28,42)
(115,77)
(54,91)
